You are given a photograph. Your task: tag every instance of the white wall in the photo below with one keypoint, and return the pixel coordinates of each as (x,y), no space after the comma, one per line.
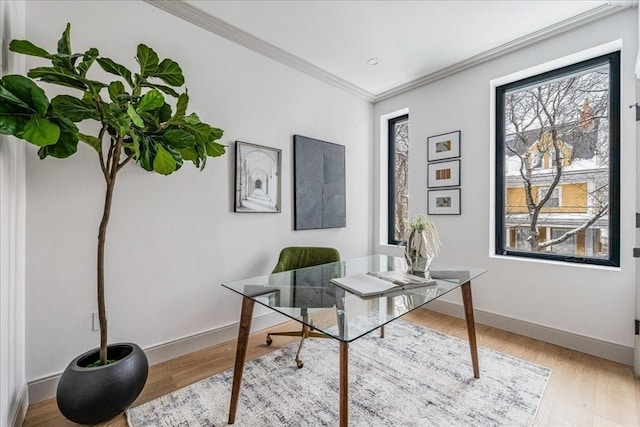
(13,386)
(173,240)
(591,302)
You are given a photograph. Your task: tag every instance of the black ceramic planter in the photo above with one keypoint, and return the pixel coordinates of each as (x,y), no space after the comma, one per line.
(93,395)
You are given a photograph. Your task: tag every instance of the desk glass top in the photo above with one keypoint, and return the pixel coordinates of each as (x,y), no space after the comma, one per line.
(308,296)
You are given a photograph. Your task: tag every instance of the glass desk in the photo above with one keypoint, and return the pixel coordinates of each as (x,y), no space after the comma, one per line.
(307,296)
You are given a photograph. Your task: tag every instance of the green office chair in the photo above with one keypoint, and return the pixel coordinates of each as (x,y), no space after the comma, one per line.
(309,290)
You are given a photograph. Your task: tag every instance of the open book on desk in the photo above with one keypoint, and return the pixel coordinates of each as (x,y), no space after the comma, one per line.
(379,283)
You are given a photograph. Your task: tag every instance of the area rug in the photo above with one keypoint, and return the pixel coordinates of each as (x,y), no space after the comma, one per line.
(412,377)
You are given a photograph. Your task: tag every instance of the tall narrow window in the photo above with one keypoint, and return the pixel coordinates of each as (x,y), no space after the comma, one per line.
(398,179)
(558,164)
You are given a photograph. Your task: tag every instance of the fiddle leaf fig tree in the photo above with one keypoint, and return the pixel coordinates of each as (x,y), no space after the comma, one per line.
(135,118)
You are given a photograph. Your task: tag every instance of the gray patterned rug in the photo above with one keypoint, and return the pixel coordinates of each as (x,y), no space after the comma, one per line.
(412,377)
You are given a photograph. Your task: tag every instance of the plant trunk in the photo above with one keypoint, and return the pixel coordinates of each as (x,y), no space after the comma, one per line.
(102,232)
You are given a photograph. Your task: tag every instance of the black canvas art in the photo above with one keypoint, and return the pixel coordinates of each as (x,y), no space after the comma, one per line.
(319,184)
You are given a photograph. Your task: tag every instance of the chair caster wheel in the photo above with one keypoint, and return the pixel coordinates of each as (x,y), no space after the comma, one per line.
(300,364)
(269,340)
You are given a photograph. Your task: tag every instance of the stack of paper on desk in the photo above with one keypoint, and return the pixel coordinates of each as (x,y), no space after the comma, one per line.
(379,283)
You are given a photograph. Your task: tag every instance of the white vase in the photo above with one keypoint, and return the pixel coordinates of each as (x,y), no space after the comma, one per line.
(417,253)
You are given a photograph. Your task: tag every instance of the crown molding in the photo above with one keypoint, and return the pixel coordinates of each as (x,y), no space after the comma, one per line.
(529,39)
(223,29)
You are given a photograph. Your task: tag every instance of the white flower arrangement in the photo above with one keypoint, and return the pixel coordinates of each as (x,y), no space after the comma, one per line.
(421,224)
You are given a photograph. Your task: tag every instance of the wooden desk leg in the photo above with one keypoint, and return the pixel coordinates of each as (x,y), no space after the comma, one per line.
(471,326)
(344,384)
(241,353)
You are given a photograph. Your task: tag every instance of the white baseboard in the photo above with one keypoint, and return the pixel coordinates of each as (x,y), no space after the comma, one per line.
(20,409)
(176,348)
(45,388)
(595,347)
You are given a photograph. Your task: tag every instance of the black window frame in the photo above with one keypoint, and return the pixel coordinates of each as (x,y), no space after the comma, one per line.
(613,61)
(391,206)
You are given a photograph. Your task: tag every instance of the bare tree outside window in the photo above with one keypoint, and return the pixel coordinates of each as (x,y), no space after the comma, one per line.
(398,179)
(556,150)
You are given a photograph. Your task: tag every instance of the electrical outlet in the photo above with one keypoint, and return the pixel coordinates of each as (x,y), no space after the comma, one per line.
(96,320)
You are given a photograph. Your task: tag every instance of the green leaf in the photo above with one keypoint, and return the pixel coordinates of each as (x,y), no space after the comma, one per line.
(135,118)
(132,146)
(150,120)
(150,101)
(214,149)
(189,154)
(164,163)
(165,89)
(40,131)
(91,140)
(59,76)
(181,106)
(116,89)
(9,125)
(74,109)
(11,121)
(179,138)
(27,48)
(118,119)
(164,113)
(169,72)
(216,134)
(94,86)
(64,44)
(62,149)
(88,59)
(28,92)
(200,131)
(147,153)
(192,119)
(147,59)
(114,68)
(9,97)
(66,145)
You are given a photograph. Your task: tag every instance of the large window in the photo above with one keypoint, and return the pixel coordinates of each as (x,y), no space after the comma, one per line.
(557,164)
(398,179)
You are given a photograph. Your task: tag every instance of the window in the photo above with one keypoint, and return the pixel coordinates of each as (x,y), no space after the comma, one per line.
(554,199)
(398,197)
(557,164)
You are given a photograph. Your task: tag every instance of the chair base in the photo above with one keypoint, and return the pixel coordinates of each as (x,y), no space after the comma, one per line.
(305,333)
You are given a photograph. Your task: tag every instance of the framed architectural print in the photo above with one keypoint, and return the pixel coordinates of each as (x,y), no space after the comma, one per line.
(444,202)
(257,182)
(319,184)
(445,146)
(443,174)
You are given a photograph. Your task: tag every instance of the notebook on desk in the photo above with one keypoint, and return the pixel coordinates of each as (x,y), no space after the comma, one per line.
(379,283)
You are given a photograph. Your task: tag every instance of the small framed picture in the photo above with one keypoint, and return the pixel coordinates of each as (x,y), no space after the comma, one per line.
(257,183)
(444,202)
(445,146)
(443,174)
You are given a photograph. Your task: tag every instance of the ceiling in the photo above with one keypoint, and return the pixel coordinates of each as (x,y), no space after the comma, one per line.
(412,40)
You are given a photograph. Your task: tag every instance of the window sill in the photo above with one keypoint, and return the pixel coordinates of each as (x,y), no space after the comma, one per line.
(554,262)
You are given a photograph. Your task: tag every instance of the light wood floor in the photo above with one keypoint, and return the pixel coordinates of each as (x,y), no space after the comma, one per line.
(583,390)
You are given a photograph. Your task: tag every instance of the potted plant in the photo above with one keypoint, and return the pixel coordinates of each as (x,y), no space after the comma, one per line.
(136,125)
(423,244)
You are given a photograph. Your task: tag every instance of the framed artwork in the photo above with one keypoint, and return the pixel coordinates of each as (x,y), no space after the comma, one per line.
(443,174)
(444,202)
(257,182)
(445,146)
(319,184)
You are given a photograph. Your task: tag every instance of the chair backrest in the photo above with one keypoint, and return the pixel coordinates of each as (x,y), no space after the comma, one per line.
(305,256)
